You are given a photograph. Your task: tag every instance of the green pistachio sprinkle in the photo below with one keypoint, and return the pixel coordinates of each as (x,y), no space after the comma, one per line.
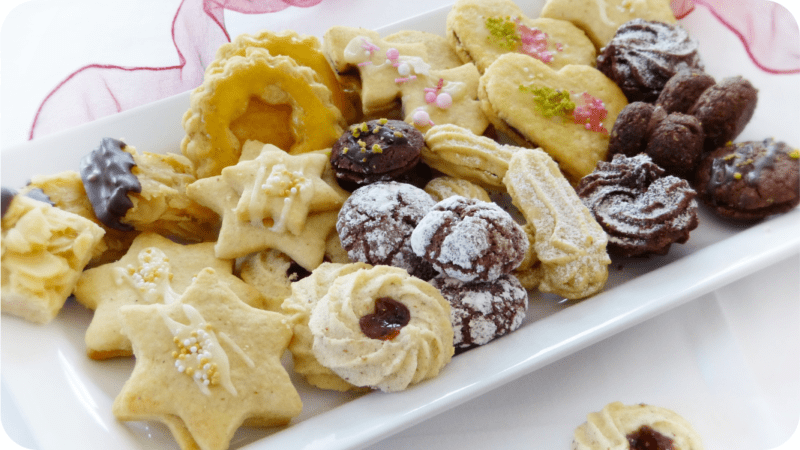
(550,102)
(376,148)
(795,154)
(503,32)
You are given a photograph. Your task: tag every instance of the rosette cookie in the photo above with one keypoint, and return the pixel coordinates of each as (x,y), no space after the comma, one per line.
(644,55)
(642,210)
(383,329)
(635,427)
(569,243)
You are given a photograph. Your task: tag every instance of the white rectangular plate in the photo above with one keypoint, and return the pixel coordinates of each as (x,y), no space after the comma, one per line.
(66,398)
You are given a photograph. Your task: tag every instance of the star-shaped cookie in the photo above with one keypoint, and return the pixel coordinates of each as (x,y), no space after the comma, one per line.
(207,364)
(281,188)
(154,270)
(239,237)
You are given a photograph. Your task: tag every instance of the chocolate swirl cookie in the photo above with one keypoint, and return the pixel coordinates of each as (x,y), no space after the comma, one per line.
(750,180)
(642,211)
(644,55)
(107,178)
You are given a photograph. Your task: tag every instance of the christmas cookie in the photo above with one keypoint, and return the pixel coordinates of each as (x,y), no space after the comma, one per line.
(206,365)
(568,113)
(44,250)
(382,328)
(481,30)
(154,270)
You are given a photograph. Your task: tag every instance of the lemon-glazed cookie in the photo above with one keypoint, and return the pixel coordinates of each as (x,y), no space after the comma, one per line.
(44,250)
(482,30)
(637,427)
(382,328)
(291,98)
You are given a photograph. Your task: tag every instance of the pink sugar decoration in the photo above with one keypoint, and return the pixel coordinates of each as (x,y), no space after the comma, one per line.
(534,42)
(591,114)
(405,79)
(369,46)
(392,54)
(444,100)
(421,118)
(430,95)
(365,63)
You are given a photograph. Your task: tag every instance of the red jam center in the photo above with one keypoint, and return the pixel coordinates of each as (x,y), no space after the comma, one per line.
(385,323)
(646,438)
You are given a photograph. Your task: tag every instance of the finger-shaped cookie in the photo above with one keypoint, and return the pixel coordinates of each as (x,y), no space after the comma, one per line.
(458,152)
(568,113)
(569,242)
(482,30)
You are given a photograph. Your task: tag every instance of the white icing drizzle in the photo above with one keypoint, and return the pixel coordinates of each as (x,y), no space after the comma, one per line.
(602,6)
(151,279)
(200,355)
(269,188)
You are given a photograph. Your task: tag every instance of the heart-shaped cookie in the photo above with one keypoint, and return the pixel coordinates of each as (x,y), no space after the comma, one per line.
(567,112)
(482,30)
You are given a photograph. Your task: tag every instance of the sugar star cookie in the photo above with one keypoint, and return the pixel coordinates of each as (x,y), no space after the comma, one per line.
(482,30)
(206,365)
(241,237)
(601,18)
(568,112)
(155,270)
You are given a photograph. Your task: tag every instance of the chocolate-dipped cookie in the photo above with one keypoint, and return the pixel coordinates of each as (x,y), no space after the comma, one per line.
(377,150)
(107,178)
(644,55)
(750,180)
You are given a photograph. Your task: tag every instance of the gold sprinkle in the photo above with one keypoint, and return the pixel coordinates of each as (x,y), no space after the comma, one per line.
(737,176)
(398,134)
(383,121)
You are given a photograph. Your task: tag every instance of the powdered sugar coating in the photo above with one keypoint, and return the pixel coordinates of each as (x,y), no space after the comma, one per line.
(642,211)
(644,55)
(376,222)
(482,311)
(469,239)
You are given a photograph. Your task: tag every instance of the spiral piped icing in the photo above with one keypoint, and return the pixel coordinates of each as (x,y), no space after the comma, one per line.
(642,211)
(644,55)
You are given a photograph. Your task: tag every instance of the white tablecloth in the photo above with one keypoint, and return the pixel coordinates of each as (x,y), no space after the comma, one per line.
(740,343)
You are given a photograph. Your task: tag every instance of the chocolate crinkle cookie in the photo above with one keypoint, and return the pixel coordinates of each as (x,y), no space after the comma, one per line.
(643,55)
(673,141)
(642,211)
(750,180)
(377,150)
(482,311)
(469,239)
(107,178)
(683,89)
(375,225)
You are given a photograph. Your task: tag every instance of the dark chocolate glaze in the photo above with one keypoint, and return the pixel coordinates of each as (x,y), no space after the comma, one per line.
(8,197)
(107,179)
(38,194)
(296,272)
(646,438)
(385,323)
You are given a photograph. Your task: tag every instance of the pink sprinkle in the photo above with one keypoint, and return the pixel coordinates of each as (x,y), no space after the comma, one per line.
(421,118)
(444,100)
(534,42)
(369,46)
(405,79)
(591,114)
(365,63)
(430,95)
(559,46)
(392,54)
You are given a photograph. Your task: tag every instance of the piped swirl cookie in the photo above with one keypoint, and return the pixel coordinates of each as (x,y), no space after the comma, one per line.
(635,427)
(568,113)
(482,30)
(290,98)
(382,328)
(642,210)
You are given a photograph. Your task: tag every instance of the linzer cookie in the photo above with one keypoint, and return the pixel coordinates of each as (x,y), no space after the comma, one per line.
(600,19)
(382,328)
(618,426)
(569,242)
(568,113)
(154,270)
(207,364)
(750,180)
(644,55)
(44,250)
(482,30)
(249,94)
(642,210)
